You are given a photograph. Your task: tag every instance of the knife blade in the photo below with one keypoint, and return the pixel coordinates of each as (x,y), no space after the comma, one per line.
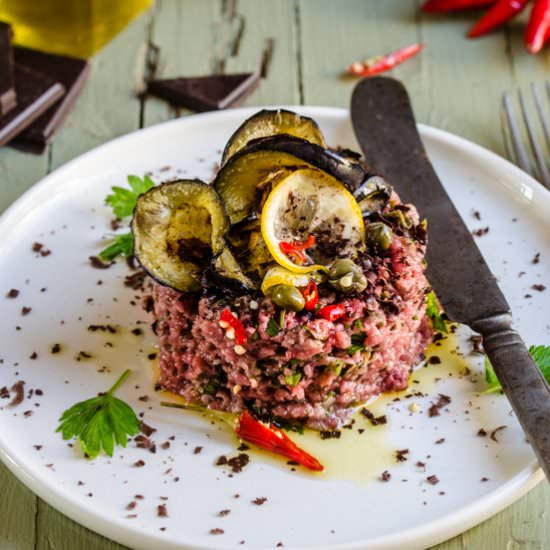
(384,124)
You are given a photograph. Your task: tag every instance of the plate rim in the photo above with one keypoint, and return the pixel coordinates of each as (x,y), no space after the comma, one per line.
(439,530)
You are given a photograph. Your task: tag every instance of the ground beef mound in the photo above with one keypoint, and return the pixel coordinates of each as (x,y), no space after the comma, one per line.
(312,371)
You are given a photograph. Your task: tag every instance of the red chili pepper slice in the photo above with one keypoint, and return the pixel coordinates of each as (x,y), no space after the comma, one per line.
(376,65)
(311,295)
(439,6)
(240,333)
(497,15)
(275,440)
(296,248)
(332,312)
(538,26)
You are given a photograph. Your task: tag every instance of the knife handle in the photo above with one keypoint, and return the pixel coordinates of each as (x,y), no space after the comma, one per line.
(525,387)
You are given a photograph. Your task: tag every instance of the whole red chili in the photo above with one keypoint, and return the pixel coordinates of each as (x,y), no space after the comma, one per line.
(240,332)
(275,440)
(376,65)
(496,16)
(538,26)
(455,5)
(311,295)
(332,312)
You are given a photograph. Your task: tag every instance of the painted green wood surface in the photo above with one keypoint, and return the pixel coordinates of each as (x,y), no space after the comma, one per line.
(456,85)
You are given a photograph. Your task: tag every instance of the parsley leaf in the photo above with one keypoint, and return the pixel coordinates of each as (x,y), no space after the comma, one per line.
(123,201)
(432,311)
(100,422)
(272,328)
(541,356)
(123,244)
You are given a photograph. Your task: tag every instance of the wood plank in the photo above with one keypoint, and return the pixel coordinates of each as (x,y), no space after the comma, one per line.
(20,171)
(107,107)
(282,83)
(18,507)
(186,35)
(57,532)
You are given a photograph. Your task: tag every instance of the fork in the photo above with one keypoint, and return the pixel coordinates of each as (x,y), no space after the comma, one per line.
(539,168)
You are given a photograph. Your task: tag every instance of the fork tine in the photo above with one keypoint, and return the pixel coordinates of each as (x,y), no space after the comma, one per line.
(542,118)
(515,136)
(539,156)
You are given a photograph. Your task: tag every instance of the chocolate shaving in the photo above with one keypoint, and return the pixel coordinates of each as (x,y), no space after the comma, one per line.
(143,442)
(402,455)
(481,433)
(197,450)
(385,476)
(162,511)
(480,232)
(330,434)
(223,513)
(538,288)
(442,401)
(146,429)
(139,463)
(237,463)
(493,435)
(13,293)
(536,258)
(135,280)
(374,420)
(432,480)
(19,389)
(477,345)
(258,501)
(56,348)
(217,531)
(97,263)
(25,310)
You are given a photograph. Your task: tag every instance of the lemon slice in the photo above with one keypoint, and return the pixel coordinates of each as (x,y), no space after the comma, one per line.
(309,203)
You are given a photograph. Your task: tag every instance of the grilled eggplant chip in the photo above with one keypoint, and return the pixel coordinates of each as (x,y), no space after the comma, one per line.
(373,195)
(270,123)
(346,169)
(178,227)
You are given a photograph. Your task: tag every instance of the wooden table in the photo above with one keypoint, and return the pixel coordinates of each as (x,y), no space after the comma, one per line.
(456,85)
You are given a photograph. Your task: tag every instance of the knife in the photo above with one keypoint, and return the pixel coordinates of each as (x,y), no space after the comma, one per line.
(385,127)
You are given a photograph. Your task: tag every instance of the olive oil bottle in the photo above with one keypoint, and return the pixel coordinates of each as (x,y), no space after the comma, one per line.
(72,27)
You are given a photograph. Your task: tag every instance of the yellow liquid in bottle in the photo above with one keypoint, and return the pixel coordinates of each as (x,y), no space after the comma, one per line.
(71,27)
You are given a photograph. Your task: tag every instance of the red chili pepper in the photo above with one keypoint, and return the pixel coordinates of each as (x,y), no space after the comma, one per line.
(332,312)
(235,324)
(296,248)
(497,15)
(274,440)
(538,26)
(311,295)
(375,65)
(454,5)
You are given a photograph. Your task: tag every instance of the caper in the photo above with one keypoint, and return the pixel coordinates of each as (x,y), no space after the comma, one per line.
(288,297)
(346,276)
(342,267)
(380,235)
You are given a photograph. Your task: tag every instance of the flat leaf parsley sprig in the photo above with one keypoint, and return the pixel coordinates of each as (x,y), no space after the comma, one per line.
(123,202)
(100,422)
(541,356)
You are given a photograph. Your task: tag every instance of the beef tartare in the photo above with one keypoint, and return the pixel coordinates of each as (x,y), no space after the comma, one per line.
(292,286)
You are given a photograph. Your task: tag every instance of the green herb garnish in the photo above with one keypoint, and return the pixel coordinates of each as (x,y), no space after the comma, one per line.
(122,245)
(541,356)
(123,201)
(272,328)
(432,311)
(100,422)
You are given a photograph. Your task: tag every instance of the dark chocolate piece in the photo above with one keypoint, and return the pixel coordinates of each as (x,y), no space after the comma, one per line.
(8,99)
(205,93)
(35,94)
(69,71)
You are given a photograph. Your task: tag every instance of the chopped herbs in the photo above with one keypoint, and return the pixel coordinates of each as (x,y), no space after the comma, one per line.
(432,311)
(357,343)
(541,356)
(293,379)
(272,328)
(100,422)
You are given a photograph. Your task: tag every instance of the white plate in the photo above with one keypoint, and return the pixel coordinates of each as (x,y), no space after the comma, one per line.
(65,211)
